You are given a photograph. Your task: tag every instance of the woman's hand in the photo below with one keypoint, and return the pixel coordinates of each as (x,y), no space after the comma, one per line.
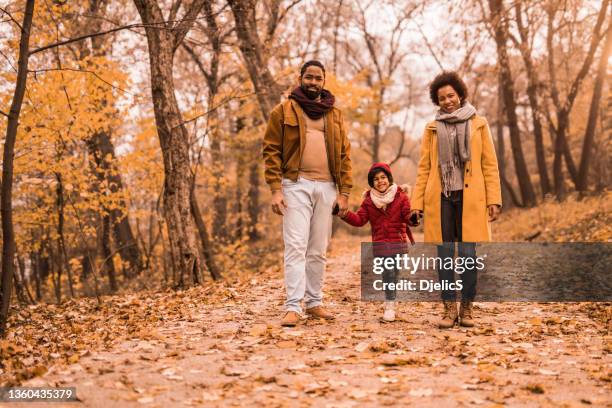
(494,211)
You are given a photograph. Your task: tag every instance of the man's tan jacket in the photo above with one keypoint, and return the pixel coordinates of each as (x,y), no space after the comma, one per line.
(285,139)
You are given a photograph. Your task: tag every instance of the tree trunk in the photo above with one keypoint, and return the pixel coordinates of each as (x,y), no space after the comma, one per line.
(24,279)
(220,187)
(102,149)
(36,273)
(589,134)
(163,40)
(103,152)
(253,200)
(107,254)
(558,158)
(62,256)
(507,190)
(241,168)
(507,87)
(564,108)
(267,90)
(538,138)
(532,93)
(6,195)
(215,273)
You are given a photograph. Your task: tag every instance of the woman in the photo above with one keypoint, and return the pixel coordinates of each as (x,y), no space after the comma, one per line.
(457,187)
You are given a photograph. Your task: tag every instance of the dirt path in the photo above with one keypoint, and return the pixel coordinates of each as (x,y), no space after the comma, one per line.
(235,354)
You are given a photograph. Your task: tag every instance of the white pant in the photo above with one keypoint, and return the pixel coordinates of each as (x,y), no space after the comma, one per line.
(306,232)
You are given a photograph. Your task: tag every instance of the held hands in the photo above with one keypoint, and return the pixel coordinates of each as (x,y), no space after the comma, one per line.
(415,217)
(278,203)
(342,202)
(494,210)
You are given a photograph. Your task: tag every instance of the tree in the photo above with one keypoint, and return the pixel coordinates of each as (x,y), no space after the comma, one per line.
(163,38)
(563,106)
(589,134)
(214,78)
(500,29)
(533,84)
(267,90)
(383,61)
(8,233)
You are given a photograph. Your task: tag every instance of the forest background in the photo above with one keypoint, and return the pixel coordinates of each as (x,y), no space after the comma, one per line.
(132,130)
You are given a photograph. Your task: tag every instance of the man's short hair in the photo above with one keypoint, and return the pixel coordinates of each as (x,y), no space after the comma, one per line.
(311,63)
(447,78)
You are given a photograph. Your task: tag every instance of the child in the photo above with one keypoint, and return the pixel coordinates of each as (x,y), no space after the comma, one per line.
(387,208)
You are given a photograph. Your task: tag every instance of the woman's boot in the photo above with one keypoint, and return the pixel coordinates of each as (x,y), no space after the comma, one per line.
(450,315)
(465,314)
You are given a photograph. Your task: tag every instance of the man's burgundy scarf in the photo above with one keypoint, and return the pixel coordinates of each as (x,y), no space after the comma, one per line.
(315,109)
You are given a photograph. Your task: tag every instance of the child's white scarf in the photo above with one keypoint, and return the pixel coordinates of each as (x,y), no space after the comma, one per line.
(381,200)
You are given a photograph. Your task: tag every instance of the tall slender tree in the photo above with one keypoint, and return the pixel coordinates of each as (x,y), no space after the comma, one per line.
(6,194)
(524,44)
(164,36)
(589,134)
(500,28)
(563,106)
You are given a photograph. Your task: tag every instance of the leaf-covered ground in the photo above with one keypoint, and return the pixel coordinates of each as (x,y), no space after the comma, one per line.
(573,220)
(222,346)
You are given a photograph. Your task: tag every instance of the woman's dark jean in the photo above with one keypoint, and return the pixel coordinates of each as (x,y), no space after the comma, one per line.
(451,213)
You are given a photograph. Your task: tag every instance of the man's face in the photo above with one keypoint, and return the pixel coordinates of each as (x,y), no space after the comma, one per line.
(312,81)
(448,99)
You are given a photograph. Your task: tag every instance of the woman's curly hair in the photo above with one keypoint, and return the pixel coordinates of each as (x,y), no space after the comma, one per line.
(447,78)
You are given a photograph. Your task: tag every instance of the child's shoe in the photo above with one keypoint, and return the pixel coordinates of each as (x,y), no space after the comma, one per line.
(389,314)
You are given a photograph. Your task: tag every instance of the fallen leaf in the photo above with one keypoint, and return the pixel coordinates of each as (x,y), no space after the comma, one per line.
(421,392)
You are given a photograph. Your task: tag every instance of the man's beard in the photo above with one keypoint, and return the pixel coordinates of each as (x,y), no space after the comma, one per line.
(311,93)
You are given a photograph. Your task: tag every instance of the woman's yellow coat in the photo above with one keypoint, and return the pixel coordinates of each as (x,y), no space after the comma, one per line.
(481,187)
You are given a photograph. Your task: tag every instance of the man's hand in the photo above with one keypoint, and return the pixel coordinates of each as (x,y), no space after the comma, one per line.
(342,202)
(494,211)
(278,203)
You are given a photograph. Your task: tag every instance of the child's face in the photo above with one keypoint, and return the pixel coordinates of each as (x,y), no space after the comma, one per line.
(381,182)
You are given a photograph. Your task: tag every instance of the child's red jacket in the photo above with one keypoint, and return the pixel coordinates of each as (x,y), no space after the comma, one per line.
(388,225)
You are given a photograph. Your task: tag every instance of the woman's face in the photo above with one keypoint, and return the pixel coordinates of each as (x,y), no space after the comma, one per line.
(448,99)
(381,182)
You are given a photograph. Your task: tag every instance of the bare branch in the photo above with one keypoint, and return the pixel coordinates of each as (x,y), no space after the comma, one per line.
(160,25)
(84,37)
(174,9)
(208,112)
(83,71)
(12,18)
(429,47)
(8,60)
(185,24)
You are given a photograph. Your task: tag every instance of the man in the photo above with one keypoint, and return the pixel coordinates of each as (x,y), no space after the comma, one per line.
(308,168)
